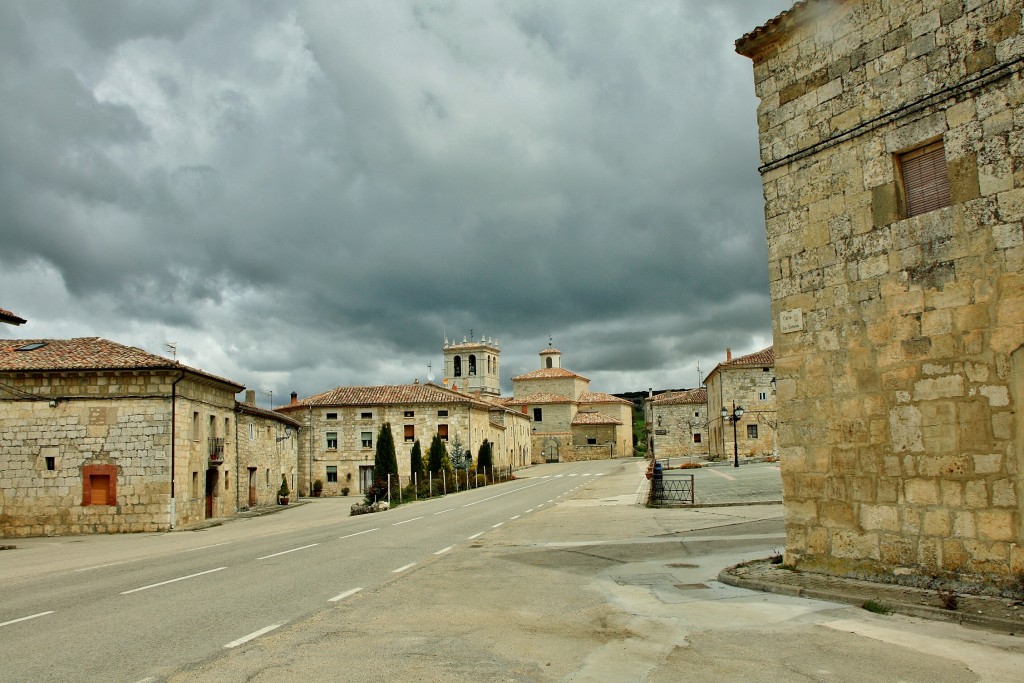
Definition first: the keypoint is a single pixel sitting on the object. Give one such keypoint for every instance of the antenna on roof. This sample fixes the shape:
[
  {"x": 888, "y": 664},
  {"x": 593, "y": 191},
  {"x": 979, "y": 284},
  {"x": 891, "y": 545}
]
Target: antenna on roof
[
  {"x": 698, "y": 375},
  {"x": 270, "y": 393},
  {"x": 173, "y": 348},
  {"x": 430, "y": 372}
]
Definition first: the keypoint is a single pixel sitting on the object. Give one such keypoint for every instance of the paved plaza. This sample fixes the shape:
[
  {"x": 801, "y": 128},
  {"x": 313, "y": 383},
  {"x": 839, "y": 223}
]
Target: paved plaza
[{"x": 722, "y": 484}]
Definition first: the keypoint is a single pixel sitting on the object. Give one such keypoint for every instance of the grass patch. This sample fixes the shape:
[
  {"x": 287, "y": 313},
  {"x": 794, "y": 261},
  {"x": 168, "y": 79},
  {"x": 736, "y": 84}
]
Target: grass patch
[{"x": 876, "y": 607}]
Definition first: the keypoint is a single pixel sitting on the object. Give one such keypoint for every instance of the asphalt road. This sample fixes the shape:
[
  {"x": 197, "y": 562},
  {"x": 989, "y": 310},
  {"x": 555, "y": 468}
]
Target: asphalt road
[{"x": 116, "y": 612}]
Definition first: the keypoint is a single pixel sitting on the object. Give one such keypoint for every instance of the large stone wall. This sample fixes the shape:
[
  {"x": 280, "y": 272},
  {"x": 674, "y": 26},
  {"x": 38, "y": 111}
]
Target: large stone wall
[{"x": 896, "y": 338}]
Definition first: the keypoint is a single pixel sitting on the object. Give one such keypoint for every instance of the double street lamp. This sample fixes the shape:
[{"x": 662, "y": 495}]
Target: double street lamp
[{"x": 737, "y": 413}]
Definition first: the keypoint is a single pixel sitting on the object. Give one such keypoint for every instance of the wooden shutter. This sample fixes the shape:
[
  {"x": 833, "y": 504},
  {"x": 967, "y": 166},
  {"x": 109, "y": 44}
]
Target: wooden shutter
[{"x": 925, "y": 179}]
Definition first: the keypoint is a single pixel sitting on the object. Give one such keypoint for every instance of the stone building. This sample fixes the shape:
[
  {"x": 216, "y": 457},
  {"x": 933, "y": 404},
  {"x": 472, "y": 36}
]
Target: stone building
[
  {"x": 677, "y": 423},
  {"x": 100, "y": 437},
  {"x": 747, "y": 382},
  {"x": 473, "y": 367},
  {"x": 569, "y": 422},
  {"x": 267, "y": 450},
  {"x": 341, "y": 426},
  {"x": 892, "y": 149}
]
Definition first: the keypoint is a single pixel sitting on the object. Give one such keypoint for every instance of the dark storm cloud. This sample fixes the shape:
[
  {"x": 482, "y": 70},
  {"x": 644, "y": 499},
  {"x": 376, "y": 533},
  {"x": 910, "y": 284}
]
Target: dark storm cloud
[{"x": 311, "y": 194}]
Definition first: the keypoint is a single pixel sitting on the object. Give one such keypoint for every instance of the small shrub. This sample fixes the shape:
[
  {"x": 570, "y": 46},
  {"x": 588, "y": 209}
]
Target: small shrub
[
  {"x": 876, "y": 607},
  {"x": 318, "y": 488},
  {"x": 691, "y": 466},
  {"x": 949, "y": 600},
  {"x": 345, "y": 490},
  {"x": 481, "y": 480}
]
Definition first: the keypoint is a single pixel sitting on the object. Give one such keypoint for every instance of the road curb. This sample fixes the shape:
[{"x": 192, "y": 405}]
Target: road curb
[{"x": 857, "y": 599}]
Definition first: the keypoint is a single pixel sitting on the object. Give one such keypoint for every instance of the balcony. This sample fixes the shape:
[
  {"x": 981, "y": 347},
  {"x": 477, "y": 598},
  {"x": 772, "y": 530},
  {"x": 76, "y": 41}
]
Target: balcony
[{"x": 216, "y": 449}]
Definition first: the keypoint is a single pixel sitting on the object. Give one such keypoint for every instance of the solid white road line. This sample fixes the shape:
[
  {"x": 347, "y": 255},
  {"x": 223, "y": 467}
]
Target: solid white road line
[
  {"x": 254, "y": 634},
  {"x": 407, "y": 521},
  {"x": 358, "y": 533},
  {"x": 402, "y": 569},
  {"x": 476, "y": 535},
  {"x": 442, "y": 551},
  {"x": 204, "y": 547},
  {"x": 31, "y": 616},
  {"x": 344, "y": 595},
  {"x": 285, "y": 552},
  {"x": 180, "y": 578}
]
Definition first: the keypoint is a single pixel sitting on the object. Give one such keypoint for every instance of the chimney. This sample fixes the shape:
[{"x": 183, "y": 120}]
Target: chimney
[
  {"x": 250, "y": 396},
  {"x": 295, "y": 398},
  {"x": 728, "y": 355}
]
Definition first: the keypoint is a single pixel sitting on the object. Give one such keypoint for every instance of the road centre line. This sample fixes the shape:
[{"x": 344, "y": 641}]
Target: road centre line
[
  {"x": 515, "y": 517},
  {"x": 495, "y": 526},
  {"x": 407, "y": 521},
  {"x": 442, "y": 551},
  {"x": 102, "y": 566},
  {"x": 251, "y": 636},
  {"x": 476, "y": 535},
  {"x": 359, "y": 533},
  {"x": 444, "y": 511},
  {"x": 484, "y": 500},
  {"x": 180, "y": 578},
  {"x": 204, "y": 547},
  {"x": 530, "y": 510},
  {"x": 342, "y": 596},
  {"x": 712, "y": 470},
  {"x": 403, "y": 568},
  {"x": 285, "y": 552},
  {"x": 31, "y": 616}
]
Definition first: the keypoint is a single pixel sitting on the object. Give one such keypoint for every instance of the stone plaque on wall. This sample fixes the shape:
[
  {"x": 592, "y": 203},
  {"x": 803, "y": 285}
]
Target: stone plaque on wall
[{"x": 791, "y": 320}]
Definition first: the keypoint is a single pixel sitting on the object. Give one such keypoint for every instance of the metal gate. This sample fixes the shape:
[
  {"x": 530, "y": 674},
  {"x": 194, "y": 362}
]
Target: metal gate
[{"x": 672, "y": 491}]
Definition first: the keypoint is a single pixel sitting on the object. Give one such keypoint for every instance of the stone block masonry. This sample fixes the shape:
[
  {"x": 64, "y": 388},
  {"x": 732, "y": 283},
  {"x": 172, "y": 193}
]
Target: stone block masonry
[{"x": 899, "y": 393}]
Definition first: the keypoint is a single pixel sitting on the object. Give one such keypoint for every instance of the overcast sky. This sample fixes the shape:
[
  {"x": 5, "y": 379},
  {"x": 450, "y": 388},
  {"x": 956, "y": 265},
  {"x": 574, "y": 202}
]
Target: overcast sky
[{"x": 303, "y": 195}]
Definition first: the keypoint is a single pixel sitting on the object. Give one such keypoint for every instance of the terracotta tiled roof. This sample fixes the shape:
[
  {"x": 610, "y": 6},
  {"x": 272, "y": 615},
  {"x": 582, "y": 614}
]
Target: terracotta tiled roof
[
  {"x": 784, "y": 21},
  {"x": 9, "y": 318},
  {"x": 690, "y": 396},
  {"x": 549, "y": 350},
  {"x": 602, "y": 397},
  {"x": 594, "y": 418},
  {"x": 758, "y": 358},
  {"x": 250, "y": 409},
  {"x": 549, "y": 373},
  {"x": 86, "y": 353},
  {"x": 539, "y": 398},
  {"x": 394, "y": 394}
]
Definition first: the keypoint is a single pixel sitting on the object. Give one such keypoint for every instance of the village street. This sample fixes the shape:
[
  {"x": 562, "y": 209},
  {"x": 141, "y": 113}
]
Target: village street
[{"x": 556, "y": 576}]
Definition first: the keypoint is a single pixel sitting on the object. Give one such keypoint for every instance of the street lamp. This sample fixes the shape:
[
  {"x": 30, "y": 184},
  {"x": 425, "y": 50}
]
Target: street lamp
[{"x": 737, "y": 413}]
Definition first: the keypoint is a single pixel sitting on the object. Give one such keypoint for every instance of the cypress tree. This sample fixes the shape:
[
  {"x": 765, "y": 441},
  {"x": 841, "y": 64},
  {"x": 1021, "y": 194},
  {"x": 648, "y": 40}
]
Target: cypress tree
[
  {"x": 416, "y": 460},
  {"x": 437, "y": 456},
  {"x": 484, "y": 458},
  {"x": 385, "y": 462}
]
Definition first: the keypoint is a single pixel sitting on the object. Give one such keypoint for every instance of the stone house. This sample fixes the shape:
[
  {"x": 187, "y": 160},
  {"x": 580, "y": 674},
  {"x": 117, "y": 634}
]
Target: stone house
[
  {"x": 892, "y": 150},
  {"x": 747, "y": 382},
  {"x": 677, "y": 423},
  {"x": 97, "y": 437},
  {"x": 341, "y": 427},
  {"x": 267, "y": 450},
  {"x": 568, "y": 421}
]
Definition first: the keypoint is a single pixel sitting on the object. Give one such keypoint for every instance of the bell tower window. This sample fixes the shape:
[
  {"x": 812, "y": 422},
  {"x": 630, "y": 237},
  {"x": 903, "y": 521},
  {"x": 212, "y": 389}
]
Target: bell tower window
[
  {"x": 458, "y": 366},
  {"x": 472, "y": 364}
]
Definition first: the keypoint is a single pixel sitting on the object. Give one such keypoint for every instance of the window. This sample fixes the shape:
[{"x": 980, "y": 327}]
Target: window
[
  {"x": 442, "y": 413},
  {"x": 331, "y": 416},
  {"x": 537, "y": 415},
  {"x": 458, "y": 366},
  {"x": 547, "y": 361},
  {"x": 213, "y": 426},
  {"x": 410, "y": 413},
  {"x": 252, "y": 432},
  {"x": 332, "y": 474},
  {"x": 366, "y": 438},
  {"x": 696, "y": 437},
  {"x": 762, "y": 395},
  {"x": 925, "y": 179},
  {"x": 195, "y": 484},
  {"x": 332, "y": 441},
  {"x": 751, "y": 431},
  {"x": 410, "y": 433},
  {"x": 365, "y": 416},
  {"x": 472, "y": 364},
  {"x": 591, "y": 441},
  {"x": 696, "y": 414},
  {"x": 51, "y": 463},
  {"x": 442, "y": 432},
  {"x": 99, "y": 485},
  {"x": 194, "y": 427}
]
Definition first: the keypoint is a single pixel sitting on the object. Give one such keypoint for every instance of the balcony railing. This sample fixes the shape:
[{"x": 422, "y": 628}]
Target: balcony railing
[{"x": 216, "y": 449}]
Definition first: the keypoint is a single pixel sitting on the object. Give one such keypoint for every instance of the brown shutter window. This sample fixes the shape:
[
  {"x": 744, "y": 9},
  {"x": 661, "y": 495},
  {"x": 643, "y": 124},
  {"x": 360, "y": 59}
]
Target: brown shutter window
[
  {"x": 442, "y": 432},
  {"x": 410, "y": 433},
  {"x": 925, "y": 179}
]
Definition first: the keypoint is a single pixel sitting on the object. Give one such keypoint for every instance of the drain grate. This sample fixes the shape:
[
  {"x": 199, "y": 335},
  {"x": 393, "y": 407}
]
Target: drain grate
[
  {"x": 692, "y": 586},
  {"x": 684, "y": 565},
  {"x": 644, "y": 579}
]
